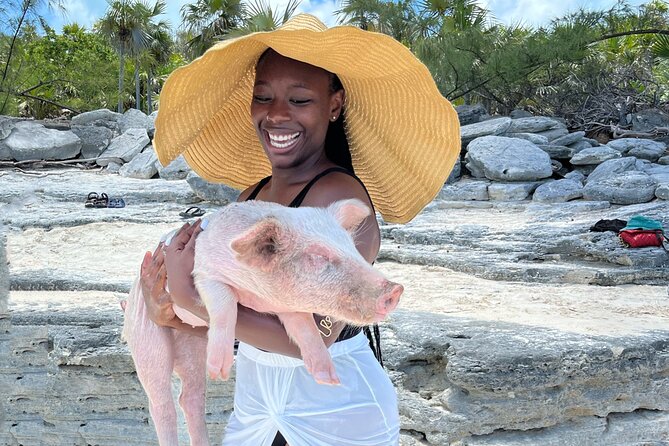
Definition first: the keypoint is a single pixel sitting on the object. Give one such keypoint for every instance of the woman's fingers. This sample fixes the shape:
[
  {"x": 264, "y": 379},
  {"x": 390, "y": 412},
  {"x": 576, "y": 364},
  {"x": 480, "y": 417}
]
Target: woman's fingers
[
  {"x": 181, "y": 237},
  {"x": 194, "y": 232}
]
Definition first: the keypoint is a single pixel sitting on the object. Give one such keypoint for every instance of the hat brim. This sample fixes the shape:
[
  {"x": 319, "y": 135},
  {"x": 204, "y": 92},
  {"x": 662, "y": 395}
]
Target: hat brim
[{"x": 403, "y": 134}]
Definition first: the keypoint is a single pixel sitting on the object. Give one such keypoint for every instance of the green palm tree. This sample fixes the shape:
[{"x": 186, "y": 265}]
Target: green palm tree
[
  {"x": 126, "y": 26},
  {"x": 157, "y": 54},
  {"x": 207, "y": 21},
  {"x": 145, "y": 15},
  {"x": 259, "y": 16}
]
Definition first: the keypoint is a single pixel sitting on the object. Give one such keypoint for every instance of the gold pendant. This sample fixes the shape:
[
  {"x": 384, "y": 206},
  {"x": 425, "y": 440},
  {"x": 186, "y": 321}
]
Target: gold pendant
[{"x": 326, "y": 323}]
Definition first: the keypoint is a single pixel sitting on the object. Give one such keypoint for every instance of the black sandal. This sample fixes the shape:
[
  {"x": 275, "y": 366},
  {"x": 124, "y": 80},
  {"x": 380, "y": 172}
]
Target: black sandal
[
  {"x": 192, "y": 212},
  {"x": 101, "y": 201},
  {"x": 91, "y": 199}
]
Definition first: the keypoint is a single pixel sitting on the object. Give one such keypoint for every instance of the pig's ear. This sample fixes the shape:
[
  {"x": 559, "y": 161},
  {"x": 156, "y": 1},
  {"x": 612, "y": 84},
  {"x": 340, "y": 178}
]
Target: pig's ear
[
  {"x": 350, "y": 213},
  {"x": 261, "y": 244}
]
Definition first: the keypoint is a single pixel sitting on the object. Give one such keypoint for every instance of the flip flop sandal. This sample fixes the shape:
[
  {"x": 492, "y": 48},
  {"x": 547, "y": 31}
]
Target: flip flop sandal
[
  {"x": 91, "y": 199},
  {"x": 192, "y": 212},
  {"x": 116, "y": 203},
  {"x": 101, "y": 201}
]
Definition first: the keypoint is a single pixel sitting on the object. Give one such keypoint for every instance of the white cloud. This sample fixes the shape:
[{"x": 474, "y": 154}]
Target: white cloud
[{"x": 82, "y": 12}]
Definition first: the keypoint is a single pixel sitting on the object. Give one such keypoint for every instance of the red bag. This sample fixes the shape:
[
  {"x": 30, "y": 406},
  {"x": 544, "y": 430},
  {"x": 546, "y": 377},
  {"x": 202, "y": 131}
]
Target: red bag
[{"x": 639, "y": 238}]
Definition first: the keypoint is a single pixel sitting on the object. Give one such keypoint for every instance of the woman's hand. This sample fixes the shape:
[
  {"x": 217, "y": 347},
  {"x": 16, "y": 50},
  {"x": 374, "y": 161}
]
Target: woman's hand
[
  {"x": 153, "y": 278},
  {"x": 179, "y": 261}
]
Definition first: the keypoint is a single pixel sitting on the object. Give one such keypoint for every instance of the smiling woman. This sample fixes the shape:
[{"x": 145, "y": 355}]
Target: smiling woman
[{"x": 294, "y": 104}]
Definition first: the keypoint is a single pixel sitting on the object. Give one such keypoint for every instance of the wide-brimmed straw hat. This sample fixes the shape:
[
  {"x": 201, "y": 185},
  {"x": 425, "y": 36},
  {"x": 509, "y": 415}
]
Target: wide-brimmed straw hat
[{"x": 403, "y": 135}]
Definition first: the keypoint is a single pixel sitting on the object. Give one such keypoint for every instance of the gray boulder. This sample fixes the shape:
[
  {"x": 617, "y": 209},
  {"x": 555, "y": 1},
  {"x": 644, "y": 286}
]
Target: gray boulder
[
  {"x": 465, "y": 191},
  {"x": 455, "y": 173},
  {"x": 648, "y": 120},
  {"x": 581, "y": 145},
  {"x": 471, "y": 114},
  {"x": 531, "y": 137},
  {"x": 520, "y": 113},
  {"x": 559, "y": 191},
  {"x": 32, "y": 141},
  {"x": 142, "y": 166},
  {"x": 626, "y": 188},
  {"x": 511, "y": 191},
  {"x": 557, "y": 152},
  {"x": 594, "y": 155},
  {"x": 612, "y": 167},
  {"x": 485, "y": 128},
  {"x": 176, "y": 170},
  {"x": 662, "y": 191},
  {"x": 534, "y": 124},
  {"x": 6, "y": 126},
  {"x": 215, "y": 193},
  {"x": 124, "y": 147},
  {"x": 134, "y": 119},
  {"x": 569, "y": 139},
  {"x": 507, "y": 159},
  {"x": 94, "y": 139},
  {"x": 554, "y": 134},
  {"x": 648, "y": 152},
  {"x": 102, "y": 117},
  {"x": 624, "y": 145},
  {"x": 663, "y": 160},
  {"x": 576, "y": 176}
]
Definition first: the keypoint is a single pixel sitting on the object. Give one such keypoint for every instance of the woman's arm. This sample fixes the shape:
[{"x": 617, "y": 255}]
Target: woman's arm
[{"x": 261, "y": 330}]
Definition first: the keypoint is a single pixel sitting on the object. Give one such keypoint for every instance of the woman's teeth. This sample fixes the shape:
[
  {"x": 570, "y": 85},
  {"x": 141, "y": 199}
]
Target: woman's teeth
[{"x": 282, "y": 141}]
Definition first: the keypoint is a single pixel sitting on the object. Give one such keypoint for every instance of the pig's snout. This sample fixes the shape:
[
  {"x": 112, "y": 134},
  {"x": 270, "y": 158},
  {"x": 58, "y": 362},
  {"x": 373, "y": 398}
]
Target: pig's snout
[{"x": 389, "y": 299}]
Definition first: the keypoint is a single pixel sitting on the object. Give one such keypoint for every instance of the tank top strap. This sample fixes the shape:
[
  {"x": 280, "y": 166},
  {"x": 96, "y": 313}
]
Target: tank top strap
[
  {"x": 297, "y": 201},
  {"x": 258, "y": 188}
]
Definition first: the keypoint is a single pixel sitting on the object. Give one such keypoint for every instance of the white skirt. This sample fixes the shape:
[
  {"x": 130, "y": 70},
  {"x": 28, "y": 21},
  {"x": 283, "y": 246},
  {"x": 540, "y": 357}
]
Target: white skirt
[{"x": 275, "y": 393}]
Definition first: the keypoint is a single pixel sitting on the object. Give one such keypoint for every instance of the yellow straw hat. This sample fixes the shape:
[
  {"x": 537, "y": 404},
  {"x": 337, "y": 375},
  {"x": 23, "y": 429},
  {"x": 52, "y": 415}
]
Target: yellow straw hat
[{"x": 403, "y": 135}]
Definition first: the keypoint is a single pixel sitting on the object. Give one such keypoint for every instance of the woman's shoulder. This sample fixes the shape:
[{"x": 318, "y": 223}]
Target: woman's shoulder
[{"x": 334, "y": 187}]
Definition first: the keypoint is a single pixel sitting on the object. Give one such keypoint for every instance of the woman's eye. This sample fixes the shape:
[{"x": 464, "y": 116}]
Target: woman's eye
[
  {"x": 300, "y": 101},
  {"x": 260, "y": 99}
]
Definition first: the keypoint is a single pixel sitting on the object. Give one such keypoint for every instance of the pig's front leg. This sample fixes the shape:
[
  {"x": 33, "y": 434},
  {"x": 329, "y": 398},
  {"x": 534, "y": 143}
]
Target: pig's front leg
[
  {"x": 222, "y": 309},
  {"x": 302, "y": 329}
]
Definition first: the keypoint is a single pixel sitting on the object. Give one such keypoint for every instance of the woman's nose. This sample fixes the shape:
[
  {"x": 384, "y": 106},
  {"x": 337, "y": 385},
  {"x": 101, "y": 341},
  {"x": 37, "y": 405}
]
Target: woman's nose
[{"x": 277, "y": 114}]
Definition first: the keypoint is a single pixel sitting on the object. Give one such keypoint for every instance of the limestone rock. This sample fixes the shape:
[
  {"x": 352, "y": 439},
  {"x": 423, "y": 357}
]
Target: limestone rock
[
  {"x": 511, "y": 191},
  {"x": 554, "y": 134},
  {"x": 455, "y": 173},
  {"x": 134, "y": 119},
  {"x": 31, "y": 141},
  {"x": 485, "y": 128},
  {"x": 101, "y": 117},
  {"x": 520, "y": 113},
  {"x": 612, "y": 167},
  {"x": 215, "y": 193},
  {"x": 576, "y": 176},
  {"x": 531, "y": 137},
  {"x": 176, "y": 170},
  {"x": 534, "y": 124},
  {"x": 464, "y": 191},
  {"x": 124, "y": 147},
  {"x": 594, "y": 155},
  {"x": 94, "y": 139},
  {"x": 663, "y": 160},
  {"x": 471, "y": 114},
  {"x": 558, "y": 191},
  {"x": 648, "y": 120},
  {"x": 507, "y": 159},
  {"x": 662, "y": 191},
  {"x": 624, "y": 145},
  {"x": 569, "y": 139},
  {"x": 142, "y": 166},
  {"x": 558, "y": 152},
  {"x": 626, "y": 188}
]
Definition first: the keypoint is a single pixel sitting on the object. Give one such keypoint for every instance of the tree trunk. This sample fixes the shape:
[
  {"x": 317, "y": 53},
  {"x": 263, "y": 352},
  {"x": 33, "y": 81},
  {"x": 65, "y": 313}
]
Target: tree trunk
[
  {"x": 149, "y": 104},
  {"x": 121, "y": 74},
  {"x": 137, "y": 85}
]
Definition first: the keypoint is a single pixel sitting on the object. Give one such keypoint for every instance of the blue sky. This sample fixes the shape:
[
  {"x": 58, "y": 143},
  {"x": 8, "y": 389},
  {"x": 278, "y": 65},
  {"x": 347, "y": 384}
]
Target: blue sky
[{"x": 527, "y": 12}]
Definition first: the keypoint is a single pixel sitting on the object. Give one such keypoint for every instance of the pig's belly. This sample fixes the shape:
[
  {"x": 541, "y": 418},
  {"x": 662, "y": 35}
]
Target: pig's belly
[{"x": 189, "y": 318}]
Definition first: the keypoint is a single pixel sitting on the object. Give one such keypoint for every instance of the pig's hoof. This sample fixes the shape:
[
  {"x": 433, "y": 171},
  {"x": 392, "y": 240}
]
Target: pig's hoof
[
  {"x": 326, "y": 378},
  {"x": 219, "y": 368}
]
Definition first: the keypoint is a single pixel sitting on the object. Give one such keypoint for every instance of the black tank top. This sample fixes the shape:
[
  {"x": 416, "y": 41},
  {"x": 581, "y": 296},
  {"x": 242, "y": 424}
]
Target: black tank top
[{"x": 348, "y": 331}]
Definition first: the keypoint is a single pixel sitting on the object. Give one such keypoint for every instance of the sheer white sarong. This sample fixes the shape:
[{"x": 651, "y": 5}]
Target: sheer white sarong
[{"x": 275, "y": 392}]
